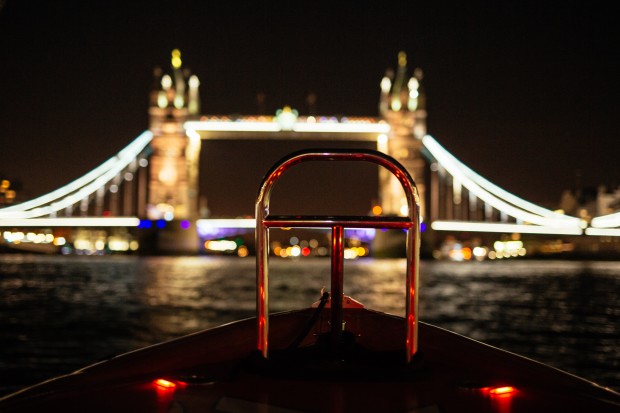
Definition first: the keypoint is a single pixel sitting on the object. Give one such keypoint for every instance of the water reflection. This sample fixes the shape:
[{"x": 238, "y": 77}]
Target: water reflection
[
  {"x": 562, "y": 313},
  {"x": 59, "y": 313}
]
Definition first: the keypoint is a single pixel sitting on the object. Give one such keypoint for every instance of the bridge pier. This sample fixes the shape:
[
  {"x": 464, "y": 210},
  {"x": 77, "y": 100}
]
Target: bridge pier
[
  {"x": 391, "y": 243},
  {"x": 174, "y": 238}
]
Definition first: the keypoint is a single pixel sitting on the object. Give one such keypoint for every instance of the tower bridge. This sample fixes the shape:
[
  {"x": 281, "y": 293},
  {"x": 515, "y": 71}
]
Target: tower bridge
[{"x": 150, "y": 189}]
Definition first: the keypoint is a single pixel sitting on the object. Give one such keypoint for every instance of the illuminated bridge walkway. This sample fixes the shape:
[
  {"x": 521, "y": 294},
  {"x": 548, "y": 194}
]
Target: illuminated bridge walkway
[{"x": 114, "y": 195}]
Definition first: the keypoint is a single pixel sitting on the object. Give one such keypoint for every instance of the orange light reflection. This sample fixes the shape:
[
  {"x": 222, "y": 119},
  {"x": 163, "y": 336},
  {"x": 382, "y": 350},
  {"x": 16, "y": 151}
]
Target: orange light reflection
[
  {"x": 504, "y": 390},
  {"x": 165, "y": 384}
]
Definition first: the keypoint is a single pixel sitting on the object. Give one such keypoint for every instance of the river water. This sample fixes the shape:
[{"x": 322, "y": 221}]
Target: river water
[{"x": 58, "y": 314}]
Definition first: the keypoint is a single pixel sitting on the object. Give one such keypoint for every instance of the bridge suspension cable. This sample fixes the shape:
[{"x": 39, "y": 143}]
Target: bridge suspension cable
[
  {"x": 496, "y": 197},
  {"x": 530, "y": 217},
  {"x": 82, "y": 187}
]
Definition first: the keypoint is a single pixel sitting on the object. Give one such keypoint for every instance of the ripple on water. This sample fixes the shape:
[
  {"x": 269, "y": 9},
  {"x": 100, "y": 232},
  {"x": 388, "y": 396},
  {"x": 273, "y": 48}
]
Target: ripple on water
[{"x": 58, "y": 314}]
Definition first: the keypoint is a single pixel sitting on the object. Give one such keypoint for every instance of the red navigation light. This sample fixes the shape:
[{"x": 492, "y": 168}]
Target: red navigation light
[
  {"x": 165, "y": 389},
  {"x": 165, "y": 384},
  {"x": 501, "y": 391}
]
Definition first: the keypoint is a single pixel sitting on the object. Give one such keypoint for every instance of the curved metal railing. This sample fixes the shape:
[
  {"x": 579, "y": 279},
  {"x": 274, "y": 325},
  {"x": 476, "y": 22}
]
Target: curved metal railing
[{"x": 264, "y": 222}]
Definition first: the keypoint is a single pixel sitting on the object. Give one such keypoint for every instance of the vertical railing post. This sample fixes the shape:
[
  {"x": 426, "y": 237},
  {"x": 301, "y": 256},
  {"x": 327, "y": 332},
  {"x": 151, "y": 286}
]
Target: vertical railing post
[
  {"x": 337, "y": 257},
  {"x": 413, "y": 275},
  {"x": 262, "y": 281}
]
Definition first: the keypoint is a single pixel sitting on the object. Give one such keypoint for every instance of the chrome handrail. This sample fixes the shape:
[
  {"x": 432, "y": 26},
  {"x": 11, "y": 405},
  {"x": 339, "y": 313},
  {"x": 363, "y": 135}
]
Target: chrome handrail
[{"x": 337, "y": 223}]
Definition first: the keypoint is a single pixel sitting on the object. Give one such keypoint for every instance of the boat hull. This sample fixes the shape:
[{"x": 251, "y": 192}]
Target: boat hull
[{"x": 219, "y": 370}]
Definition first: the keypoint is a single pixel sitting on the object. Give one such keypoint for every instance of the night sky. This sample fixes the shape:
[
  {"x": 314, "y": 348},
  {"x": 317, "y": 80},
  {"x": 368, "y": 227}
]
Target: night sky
[{"x": 525, "y": 93}]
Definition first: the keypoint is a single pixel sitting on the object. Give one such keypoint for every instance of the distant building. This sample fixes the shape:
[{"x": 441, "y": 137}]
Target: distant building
[
  {"x": 607, "y": 202},
  {"x": 590, "y": 202}
]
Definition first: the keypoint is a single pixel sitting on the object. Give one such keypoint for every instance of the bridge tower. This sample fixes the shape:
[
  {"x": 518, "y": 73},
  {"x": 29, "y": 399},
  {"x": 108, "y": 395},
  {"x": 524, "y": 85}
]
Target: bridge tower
[
  {"x": 174, "y": 162},
  {"x": 402, "y": 105},
  {"x": 173, "y": 183}
]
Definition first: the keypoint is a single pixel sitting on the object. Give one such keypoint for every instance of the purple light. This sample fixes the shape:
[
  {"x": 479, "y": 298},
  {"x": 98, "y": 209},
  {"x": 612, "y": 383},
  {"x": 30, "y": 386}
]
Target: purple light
[
  {"x": 213, "y": 233},
  {"x": 363, "y": 234},
  {"x": 185, "y": 224}
]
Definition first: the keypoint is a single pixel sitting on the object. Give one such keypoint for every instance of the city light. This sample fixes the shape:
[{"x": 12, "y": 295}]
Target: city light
[
  {"x": 220, "y": 245},
  {"x": 85, "y": 241},
  {"x": 507, "y": 249},
  {"x": 480, "y": 253}
]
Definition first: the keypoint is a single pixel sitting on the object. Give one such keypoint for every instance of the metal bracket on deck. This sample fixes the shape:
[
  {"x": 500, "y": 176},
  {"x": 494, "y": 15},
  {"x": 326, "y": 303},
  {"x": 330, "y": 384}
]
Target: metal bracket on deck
[{"x": 264, "y": 222}]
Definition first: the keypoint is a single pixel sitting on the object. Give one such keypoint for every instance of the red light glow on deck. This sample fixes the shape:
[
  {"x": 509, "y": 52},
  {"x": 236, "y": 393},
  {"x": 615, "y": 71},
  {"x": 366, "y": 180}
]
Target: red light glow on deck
[
  {"x": 165, "y": 389},
  {"x": 502, "y": 391},
  {"x": 165, "y": 384}
]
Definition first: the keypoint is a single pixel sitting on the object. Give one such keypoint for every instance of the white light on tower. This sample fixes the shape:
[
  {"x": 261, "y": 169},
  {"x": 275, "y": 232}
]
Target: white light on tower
[{"x": 386, "y": 85}]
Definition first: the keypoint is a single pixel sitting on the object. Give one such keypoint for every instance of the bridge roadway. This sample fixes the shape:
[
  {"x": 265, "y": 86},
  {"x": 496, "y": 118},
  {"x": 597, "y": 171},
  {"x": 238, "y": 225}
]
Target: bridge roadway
[
  {"x": 48, "y": 235},
  {"x": 516, "y": 216}
]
